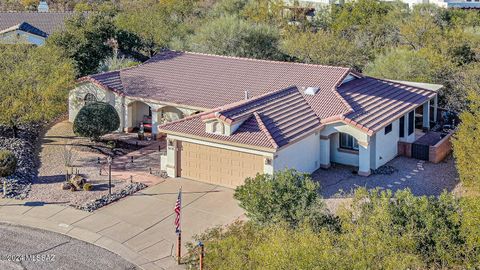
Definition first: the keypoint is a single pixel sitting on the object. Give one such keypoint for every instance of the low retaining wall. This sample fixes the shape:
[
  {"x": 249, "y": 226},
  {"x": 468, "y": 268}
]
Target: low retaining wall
[
  {"x": 440, "y": 150},
  {"x": 405, "y": 149}
]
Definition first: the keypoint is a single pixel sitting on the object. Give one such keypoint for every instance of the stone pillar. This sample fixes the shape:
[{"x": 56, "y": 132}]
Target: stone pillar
[
  {"x": 154, "y": 124},
  {"x": 426, "y": 115},
  {"x": 324, "y": 152},
  {"x": 435, "y": 108},
  {"x": 364, "y": 159}
]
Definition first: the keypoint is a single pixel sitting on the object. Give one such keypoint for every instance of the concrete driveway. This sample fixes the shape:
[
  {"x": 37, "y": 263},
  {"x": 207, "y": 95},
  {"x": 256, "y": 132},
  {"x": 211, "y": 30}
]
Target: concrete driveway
[
  {"x": 145, "y": 222},
  {"x": 140, "y": 227}
]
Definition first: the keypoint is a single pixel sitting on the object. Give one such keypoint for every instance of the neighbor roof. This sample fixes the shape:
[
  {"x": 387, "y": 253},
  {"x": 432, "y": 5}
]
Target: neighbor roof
[
  {"x": 26, "y": 27},
  {"x": 47, "y": 22},
  {"x": 271, "y": 120},
  {"x": 210, "y": 81}
]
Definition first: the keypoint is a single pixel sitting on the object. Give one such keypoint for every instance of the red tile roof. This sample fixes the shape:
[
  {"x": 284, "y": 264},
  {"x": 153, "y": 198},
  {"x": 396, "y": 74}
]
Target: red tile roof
[
  {"x": 210, "y": 81},
  {"x": 276, "y": 118},
  {"x": 376, "y": 102}
]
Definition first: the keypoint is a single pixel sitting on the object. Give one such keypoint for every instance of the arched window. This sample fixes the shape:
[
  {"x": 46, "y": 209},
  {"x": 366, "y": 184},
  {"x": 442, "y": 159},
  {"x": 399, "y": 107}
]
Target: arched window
[{"x": 89, "y": 98}]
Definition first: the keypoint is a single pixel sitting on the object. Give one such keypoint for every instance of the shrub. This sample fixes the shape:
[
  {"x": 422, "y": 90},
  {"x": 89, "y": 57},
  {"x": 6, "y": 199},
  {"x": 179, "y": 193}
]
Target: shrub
[
  {"x": 288, "y": 196},
  {"x": 95, "y": 120},
  {"x": 8, "y": 163},
  {"x": 87, "y": 187}
]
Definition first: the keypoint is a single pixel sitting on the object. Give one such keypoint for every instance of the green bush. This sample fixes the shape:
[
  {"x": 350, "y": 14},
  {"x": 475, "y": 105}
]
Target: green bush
[
  {"x": 8, "y": 163},
  {"x": 87, "y": 187},
  {"x": 286, "y": 196},
  {"x": 95, "y": 120}
]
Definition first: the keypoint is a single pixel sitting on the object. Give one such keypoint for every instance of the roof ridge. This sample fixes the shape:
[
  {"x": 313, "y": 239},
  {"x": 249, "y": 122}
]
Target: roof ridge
[
  {"x": 403, "y": 84},
  {"x": 264, "y": 129},
  {"x": 253, "y": 59},
  {"x": 237, "y": 104}
]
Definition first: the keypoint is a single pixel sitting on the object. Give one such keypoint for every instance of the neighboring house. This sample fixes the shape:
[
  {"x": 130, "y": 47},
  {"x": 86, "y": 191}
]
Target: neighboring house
[
  {"x": 238, "y": 116},
  {"x": 30, "y": 27}
]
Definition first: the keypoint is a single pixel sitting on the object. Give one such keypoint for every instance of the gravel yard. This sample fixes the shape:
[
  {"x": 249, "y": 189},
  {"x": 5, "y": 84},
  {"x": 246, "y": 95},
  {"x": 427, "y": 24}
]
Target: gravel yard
[
  {"x": 54, "y": 149},
  {"x": 422, "y": 178}
]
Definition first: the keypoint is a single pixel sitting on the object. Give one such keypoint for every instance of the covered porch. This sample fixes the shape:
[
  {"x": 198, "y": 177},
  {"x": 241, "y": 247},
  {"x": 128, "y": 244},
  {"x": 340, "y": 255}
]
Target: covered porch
[{"x": 150, "y": 115}]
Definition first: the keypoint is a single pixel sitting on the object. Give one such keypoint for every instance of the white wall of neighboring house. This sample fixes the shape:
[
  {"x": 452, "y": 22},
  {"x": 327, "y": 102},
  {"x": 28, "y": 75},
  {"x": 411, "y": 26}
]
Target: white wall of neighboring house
[
  {"x": 303, "y": 155},
  {"x": 21, "y": 37}
]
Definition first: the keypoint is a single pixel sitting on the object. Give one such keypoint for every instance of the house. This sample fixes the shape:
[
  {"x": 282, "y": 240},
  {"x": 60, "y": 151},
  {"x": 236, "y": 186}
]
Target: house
[
  {"x": 227, "y": 118},
  {"x": 30, "y": 27}
]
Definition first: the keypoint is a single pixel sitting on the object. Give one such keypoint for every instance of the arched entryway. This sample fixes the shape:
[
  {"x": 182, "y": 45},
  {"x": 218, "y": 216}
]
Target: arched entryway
[
  {"x": 169, "y": 114},
  {"x": 138, "y": 112}
]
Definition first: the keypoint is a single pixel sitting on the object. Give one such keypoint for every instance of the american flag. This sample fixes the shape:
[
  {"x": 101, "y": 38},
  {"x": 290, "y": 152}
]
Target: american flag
[{"x": 177, "y": 209}]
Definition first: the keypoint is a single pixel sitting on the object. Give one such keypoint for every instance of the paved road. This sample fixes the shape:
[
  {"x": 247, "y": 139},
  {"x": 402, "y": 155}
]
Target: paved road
[{"x": 60, "y": 251}]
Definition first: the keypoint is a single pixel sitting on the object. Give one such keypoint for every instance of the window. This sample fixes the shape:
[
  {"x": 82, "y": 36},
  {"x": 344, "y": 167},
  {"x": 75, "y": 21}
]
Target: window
[
  {"x": 89, "y": 98},
  {"x": 388, "y": 129},
  {"x": 401, "y": 132},
  {"x": 348, "y": 142},
  {"x": 411, "y": 122}
]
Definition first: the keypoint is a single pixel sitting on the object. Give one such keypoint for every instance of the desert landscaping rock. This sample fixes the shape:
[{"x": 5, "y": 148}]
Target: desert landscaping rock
[
  {"x": 19, "y": 184},
  {"x": 107, "y": 199}
]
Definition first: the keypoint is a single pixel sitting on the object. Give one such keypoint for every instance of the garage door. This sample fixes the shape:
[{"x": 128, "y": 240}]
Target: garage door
[{"x": 216, "y": 165}]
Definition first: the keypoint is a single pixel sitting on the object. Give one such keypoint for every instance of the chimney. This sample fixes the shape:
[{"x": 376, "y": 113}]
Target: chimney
[
  {"x": 246, "y": 95},
  {"x": 43, "y": 6}
]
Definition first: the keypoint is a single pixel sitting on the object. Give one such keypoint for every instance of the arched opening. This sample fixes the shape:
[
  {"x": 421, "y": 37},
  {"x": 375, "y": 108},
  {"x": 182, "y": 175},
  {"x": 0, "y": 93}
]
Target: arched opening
[
  {"x": 170, "y": 113},
  {"x": 344, "y": 149},
  {"x": 139, "y": 113}
]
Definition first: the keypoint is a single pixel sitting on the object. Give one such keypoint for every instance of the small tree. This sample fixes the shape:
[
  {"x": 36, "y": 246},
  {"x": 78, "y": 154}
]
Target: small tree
[
  {"x": 95, "y": 120},
  {"x": 8, "y": 163},
  {"x": 287, "y": 195}
]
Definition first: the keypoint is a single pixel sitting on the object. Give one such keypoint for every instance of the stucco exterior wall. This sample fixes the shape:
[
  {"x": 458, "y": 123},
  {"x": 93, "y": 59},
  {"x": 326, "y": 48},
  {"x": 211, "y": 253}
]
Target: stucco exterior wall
[
  {"x": 76, "y": 98},
  {"x": 303, "y": 155},
  {"x": 385, "y": 146}
]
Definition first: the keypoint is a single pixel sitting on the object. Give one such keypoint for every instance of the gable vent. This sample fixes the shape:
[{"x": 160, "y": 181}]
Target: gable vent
[{"x": 311, "y": 91}]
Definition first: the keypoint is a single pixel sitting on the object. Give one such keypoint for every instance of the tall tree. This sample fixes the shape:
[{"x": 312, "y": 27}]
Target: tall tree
[
  {"x": 85, "y": 40},
  {"x": 235, "y": 37},
  {"x": 34, "y": 84}
]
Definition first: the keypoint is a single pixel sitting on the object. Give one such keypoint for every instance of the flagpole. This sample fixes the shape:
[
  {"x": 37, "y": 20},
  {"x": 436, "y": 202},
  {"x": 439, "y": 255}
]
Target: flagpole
[
  {"x": 179, "y": 233},
  {"x": 179, "y": 247}
]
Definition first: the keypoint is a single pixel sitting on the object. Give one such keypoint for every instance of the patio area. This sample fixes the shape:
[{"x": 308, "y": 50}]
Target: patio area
[{"x": 422, "y": 178}]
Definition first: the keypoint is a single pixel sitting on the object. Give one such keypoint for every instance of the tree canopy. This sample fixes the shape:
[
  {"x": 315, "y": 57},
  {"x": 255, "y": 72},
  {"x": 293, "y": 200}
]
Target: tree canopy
[{"x": 34, "y": 84}]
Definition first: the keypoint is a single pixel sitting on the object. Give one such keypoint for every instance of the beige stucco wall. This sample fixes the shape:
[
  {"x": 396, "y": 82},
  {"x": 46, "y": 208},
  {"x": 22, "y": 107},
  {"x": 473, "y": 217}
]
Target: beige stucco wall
[{"x": 131, "y": 110}]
